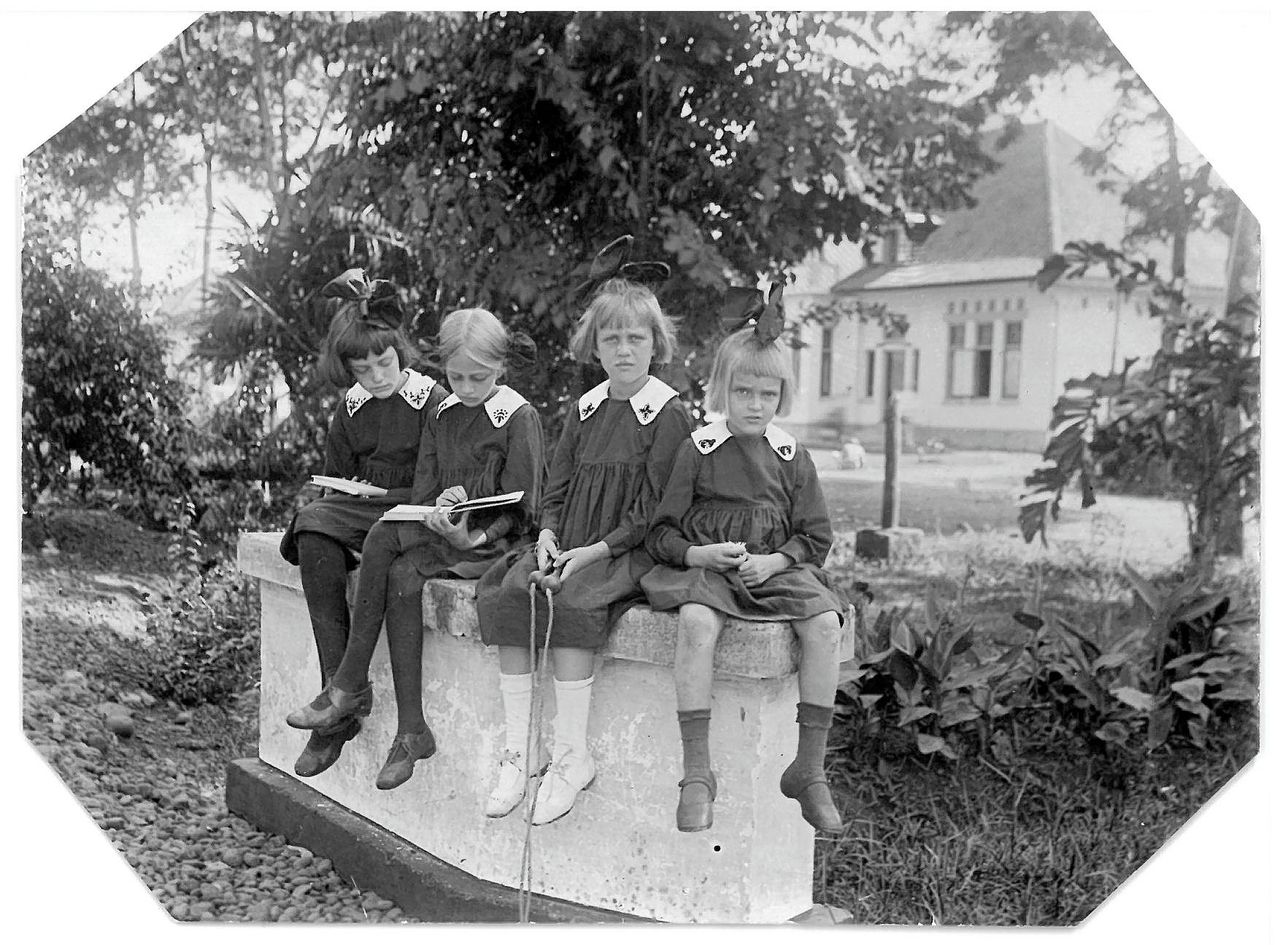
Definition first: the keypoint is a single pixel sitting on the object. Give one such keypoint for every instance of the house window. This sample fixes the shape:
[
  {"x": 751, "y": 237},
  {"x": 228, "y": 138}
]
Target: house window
[
  {"x": 915, "y": 369},
  {"x": 824, "y": 376},
  {"x": 959, "y": 363},
  {"x": 1012, "y": 383},
  {"x": 969, "y": 367},
  {"x": 982, "y": 360},
  {"x": 869, "y": 376},
  {"x": 795, "y": 367}
]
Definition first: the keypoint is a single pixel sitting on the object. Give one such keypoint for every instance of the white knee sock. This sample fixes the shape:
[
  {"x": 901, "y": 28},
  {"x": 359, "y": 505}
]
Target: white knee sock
[
  {"x": 516, "y": 690},
  {"x": 573, "y": 710}
]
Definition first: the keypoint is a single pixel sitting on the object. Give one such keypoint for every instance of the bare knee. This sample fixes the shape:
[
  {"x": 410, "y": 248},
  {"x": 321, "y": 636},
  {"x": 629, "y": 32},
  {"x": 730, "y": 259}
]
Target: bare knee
[
  {"x": 699, "y": 626},
  {"x": 820, "y": 632}
]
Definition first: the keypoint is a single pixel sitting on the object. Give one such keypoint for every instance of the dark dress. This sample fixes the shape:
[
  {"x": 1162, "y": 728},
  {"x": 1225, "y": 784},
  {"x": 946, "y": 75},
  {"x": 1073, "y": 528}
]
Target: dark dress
[
  {"x": 762, "y": 491},
  {"x": 609, "y": 470},
  {"x": 371, "y": 439},
  {"x": 490, "y": 449}
]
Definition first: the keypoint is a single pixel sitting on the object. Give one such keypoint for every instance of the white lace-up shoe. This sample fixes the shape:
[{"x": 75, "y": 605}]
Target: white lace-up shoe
[
  {"x": 568, "y": 775},
  {"x": 509, "y": 785}
]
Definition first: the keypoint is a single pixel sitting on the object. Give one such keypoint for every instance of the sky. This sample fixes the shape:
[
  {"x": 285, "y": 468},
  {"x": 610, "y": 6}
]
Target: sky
[{"x": 1213, "y": 66}]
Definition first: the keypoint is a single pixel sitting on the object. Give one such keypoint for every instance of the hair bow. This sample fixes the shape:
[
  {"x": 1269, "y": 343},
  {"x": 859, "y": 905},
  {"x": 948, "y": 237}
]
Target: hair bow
[
  {"x": 612, "y": 261},
  {"x": 742, "y": 306},
  {"x": 379, "y": 299}
]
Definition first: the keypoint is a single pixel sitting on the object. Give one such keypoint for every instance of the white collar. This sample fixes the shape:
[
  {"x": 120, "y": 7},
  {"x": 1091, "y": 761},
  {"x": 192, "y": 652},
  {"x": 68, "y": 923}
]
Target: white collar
[
  {"x": 499, "y": 407},
  {"x": 415, "y": 391},
  {"x": 707, "y": 439},
  {"x": 646, "y": 402}
]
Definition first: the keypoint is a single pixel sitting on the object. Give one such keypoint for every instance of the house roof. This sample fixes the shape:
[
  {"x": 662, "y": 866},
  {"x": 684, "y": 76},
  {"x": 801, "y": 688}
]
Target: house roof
[{"x": 1036, "y": 200}]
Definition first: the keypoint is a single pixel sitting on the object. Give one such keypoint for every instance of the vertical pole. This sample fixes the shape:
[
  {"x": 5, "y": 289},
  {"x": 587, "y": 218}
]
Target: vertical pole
[{"x": 892, "y": 453}]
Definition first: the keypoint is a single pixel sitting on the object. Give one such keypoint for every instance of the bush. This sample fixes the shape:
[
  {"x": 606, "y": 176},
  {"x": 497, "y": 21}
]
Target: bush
[
  {"x": 95, "y": 387},
  {"x": 202, "y": 644}
]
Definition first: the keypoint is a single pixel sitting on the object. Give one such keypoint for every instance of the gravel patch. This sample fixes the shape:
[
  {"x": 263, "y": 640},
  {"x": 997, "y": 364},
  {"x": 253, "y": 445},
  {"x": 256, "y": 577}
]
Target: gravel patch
[{"x": 152, "y": 773}]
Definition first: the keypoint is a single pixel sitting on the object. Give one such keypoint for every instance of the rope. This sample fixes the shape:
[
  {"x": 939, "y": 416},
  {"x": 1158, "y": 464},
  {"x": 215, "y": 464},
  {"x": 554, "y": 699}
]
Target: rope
[{"x": 532, "y": 738}]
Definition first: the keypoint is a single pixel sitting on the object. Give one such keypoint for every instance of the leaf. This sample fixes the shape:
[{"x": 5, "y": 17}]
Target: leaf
[
  {"x": 1134, "y": 697},
  {"x": 1146, "y": 590},
  {"x": 1191, "y": 689},
  {"x": 1159, "y": 724},
  {"x": 1030, "y": 621},
  {"x": 914, "y": 714},
  {"x": 928, "y": 744},
  {"x": 1116, "y": 733}
]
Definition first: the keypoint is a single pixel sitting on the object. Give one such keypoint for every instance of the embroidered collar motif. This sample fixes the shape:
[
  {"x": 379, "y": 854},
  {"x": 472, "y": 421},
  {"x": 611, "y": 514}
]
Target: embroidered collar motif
[
  {"x": 647, "y": 402},
  {"x": 500, "y": 407},
  {"x": 415, "y": 391},
  {"x": 707, "y": 439}
]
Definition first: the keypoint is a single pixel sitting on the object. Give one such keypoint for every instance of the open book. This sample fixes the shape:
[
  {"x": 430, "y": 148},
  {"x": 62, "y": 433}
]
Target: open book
[
  {"x": 414, "y": 513},
  {"x": 348, "y": 486}
]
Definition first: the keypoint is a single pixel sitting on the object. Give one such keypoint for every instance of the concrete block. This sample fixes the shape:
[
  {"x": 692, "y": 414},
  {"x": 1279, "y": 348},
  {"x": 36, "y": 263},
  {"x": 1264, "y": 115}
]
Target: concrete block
[
  {"x": 883, "y": 543},
  {"x": 619, "y": 849}
]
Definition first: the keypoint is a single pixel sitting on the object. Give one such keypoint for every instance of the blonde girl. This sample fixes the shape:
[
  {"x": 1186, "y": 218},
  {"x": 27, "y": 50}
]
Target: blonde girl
[
  {"x": 484, "y": 439},
  {"x": 607, "y": 473}
]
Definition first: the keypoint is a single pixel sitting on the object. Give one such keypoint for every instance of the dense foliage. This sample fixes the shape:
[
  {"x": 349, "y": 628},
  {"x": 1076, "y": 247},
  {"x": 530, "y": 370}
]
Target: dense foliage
[
  {"x": 490, "y": 156},
  {"x": 96, "y": 387}
]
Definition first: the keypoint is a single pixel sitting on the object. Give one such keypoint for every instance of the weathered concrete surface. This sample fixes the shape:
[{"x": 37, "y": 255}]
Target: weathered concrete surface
[
  {"x": 377, "y": 859},
  {"x": 619, "y": 848}
]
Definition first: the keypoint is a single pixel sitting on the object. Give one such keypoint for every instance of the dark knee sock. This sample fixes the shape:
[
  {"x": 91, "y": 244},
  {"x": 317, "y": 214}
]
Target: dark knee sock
[
  {"x": 380, "y": 550},
  {"x": 811, "y": 746},
  {"x": 695, "y": 733},
  {"x": 404, "y": 644},
  {"x": 323, "y": 563}
]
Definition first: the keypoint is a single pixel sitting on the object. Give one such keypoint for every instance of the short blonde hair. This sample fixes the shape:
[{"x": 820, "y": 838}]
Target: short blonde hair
[
  {"x": 476, "y": 332},
  {"x": 623, "y": 302},
  {"x": 741, "y": 353}
]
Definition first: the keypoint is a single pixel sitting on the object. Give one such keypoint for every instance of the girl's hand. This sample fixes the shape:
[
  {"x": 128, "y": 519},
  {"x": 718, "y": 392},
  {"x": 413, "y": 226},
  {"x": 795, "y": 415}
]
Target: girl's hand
[
  {"x": 452, "y": 496},
  {"x": 723, "y": 556},
  {"x": 757, "y": 569},
  {"x": 458, "y": 534},
  {"x": 576, "y": 559},
  {"x": 548, "y": 548}
]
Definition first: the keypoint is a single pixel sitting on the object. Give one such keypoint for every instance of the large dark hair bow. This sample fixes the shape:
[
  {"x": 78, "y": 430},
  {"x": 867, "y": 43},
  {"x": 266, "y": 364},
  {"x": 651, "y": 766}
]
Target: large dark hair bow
[
  {"x": 612, "y": 262},
  {"x": 742, "y": 306},
  {"x": 379, "y": 299}
]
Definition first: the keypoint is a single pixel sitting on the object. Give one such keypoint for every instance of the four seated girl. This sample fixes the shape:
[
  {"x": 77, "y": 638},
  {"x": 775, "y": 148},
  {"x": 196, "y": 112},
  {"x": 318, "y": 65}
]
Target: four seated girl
[{"x": 728, "y": 520}]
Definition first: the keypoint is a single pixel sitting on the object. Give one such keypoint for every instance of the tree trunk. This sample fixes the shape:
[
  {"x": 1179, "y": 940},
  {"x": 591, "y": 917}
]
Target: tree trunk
[
  {"x": 136, "y": 280},
  {"x": 1243, "y": 272},
  {"x": 206, "y": 262},
  {"x": 1178, "y": 260}
]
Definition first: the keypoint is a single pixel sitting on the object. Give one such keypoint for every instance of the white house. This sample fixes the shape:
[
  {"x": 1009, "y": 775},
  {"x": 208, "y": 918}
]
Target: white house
[{"x": 985, "y": 354}]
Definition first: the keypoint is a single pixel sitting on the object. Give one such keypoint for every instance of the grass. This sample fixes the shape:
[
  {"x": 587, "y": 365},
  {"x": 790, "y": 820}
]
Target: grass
[
  {"x": 1041, "y": 842},
  {"x": 1037, "y": 836}
]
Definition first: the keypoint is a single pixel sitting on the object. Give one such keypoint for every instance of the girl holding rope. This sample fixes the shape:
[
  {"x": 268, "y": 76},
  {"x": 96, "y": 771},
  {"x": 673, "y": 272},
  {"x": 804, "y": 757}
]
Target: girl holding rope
[
  {"x": 484, "y": 439},
  {"x": 606, "y": 476}
]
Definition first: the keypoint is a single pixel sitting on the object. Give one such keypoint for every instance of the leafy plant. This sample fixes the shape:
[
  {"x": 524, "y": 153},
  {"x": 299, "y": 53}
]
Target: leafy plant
[
  {"x": 1193, "y": 413},
  {"x": 202, "y": 640},
  {"x": 925, "y": 676},
  {"x": 96, "y": 388}
]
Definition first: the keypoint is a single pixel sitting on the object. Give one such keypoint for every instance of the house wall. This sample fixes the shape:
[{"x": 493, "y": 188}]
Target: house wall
[{"x": 1066, "y": 332}]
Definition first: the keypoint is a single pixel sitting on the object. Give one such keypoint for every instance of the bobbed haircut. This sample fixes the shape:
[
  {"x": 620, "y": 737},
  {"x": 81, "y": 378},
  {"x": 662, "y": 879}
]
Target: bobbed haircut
[
  {"x": 477, "y": 333},
  {"x": 741, "y": 353},
  {"x": 620, "y": 302},
  {"x": 349, "y": 337}
]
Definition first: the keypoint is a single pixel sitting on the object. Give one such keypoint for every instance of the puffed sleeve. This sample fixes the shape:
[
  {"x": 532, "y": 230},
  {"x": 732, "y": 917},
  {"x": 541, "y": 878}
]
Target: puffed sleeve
[
  {"x": 810, "y": 524},
  {"x": 339, "y": 459},
  {"x": 522, "y": 470},
  {"x": 426, "y": 475},
  {"x": 666, "y": 540},
  {"x": 672, "y": 429},
  {"x": 562, "y": 466}
]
